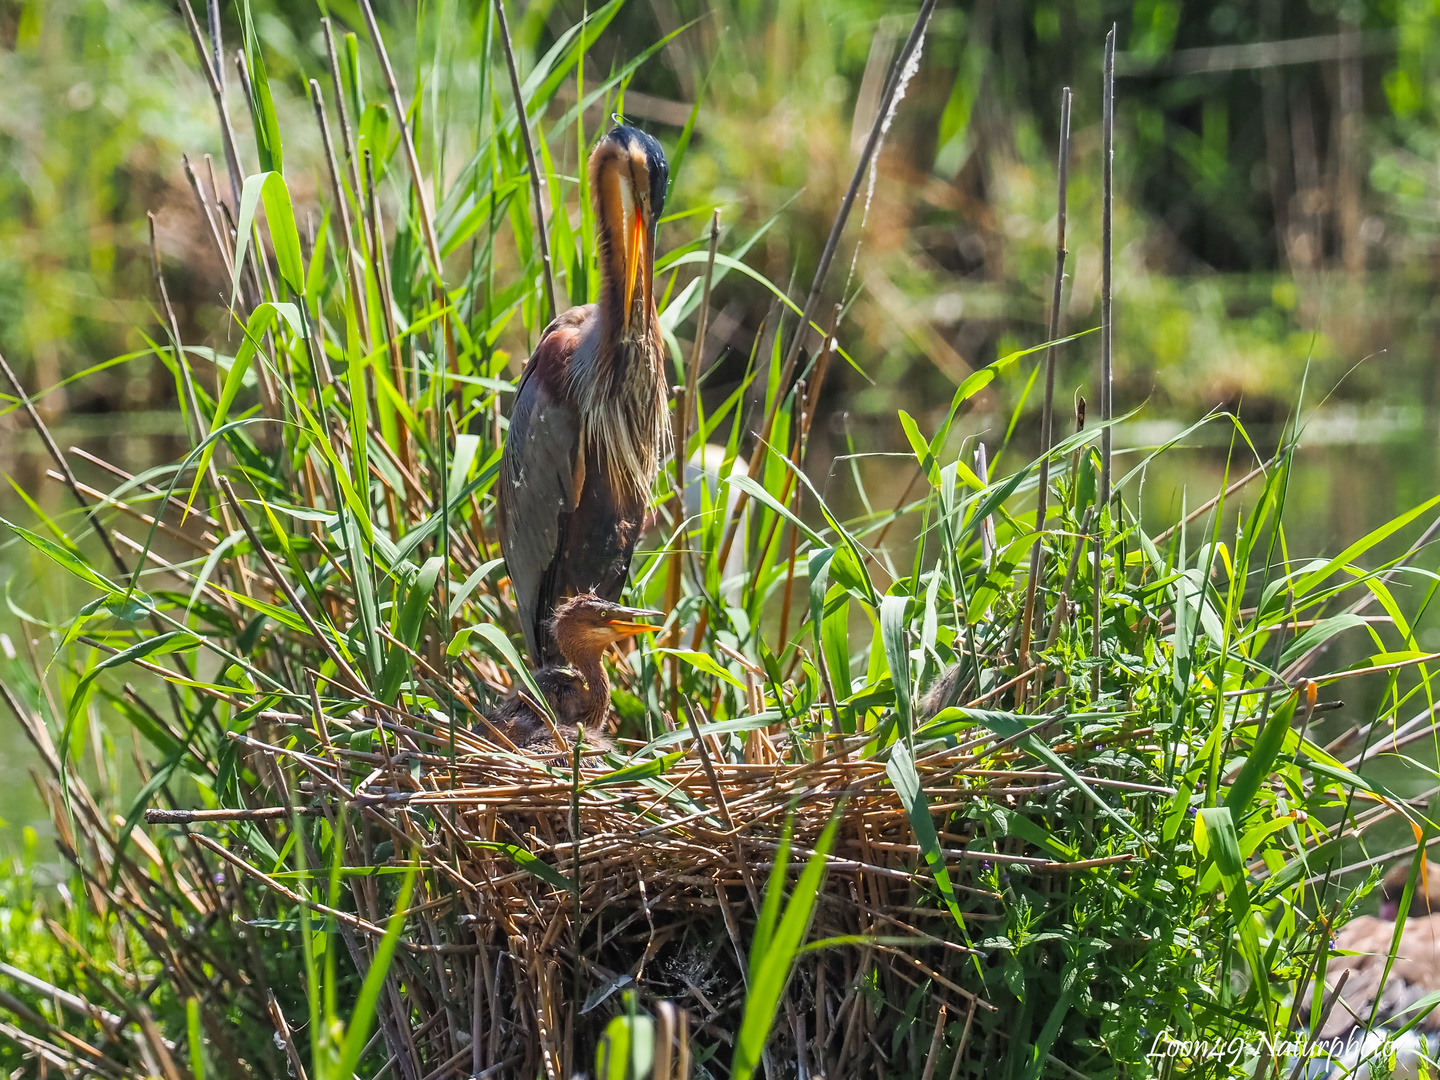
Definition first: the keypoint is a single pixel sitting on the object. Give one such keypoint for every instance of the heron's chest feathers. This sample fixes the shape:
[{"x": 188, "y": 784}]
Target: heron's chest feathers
[{"x": 620, "y": 389}]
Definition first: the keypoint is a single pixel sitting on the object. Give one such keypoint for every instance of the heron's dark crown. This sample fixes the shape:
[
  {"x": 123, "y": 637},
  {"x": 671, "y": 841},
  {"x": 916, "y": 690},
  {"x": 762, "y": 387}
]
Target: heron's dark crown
[
  {"x": 624, "y": 140},
  {"x": 586, "y": 609}
]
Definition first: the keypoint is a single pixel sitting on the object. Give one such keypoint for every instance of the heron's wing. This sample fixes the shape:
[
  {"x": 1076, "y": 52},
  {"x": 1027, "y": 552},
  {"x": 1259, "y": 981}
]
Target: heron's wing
[{"x": 539, "y": 475}]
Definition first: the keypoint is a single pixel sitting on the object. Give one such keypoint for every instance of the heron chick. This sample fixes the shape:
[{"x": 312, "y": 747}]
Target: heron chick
[{"x": 578, "y": 691}]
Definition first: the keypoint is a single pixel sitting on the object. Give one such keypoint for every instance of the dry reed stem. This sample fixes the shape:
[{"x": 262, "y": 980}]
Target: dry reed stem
[
  {"x": 282, "y": 1028},
  {"x": 688, "y": 400},
  {"x": 214, "y": 73},
  {"x": 1047, "y": 414},
  {"x": 522, "y": 118},
  {"x": 427, "y": 217}
]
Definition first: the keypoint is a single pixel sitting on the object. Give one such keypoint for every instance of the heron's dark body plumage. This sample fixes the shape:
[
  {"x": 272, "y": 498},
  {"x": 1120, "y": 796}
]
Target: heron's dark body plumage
[
  {"x": 588, "y": 424},
  {"x": 565, "y": 526}
]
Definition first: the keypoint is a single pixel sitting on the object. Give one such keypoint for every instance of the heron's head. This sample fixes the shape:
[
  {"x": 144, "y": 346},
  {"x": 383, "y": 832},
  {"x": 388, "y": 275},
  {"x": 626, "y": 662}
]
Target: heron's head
[
  {"x": 628, "y": 175},
  {"x": 587, "y": 624},
  {"x": 1424, "y": 901}
]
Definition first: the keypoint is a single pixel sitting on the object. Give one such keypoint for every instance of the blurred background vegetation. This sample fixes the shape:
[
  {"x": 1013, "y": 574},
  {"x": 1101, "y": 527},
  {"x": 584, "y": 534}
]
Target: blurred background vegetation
[{"x": 1277, "y": 164}]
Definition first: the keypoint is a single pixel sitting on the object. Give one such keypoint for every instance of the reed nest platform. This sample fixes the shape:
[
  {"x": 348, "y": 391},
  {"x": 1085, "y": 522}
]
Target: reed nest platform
[{"x": 517, "y": 949}]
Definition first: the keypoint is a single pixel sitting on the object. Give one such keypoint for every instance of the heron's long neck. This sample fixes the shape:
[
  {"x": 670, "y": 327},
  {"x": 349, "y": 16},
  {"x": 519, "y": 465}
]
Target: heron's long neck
[
  {"x": 632, "y": 355},
  {"x": 596, "y": 710},
  {"x": 612, "y": 297},
  {"x": 620, "y": 387}
]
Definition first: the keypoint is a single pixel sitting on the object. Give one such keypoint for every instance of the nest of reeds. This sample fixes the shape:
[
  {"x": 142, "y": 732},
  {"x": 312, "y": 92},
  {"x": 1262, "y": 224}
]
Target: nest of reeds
[{"x": 517, "y": 950}]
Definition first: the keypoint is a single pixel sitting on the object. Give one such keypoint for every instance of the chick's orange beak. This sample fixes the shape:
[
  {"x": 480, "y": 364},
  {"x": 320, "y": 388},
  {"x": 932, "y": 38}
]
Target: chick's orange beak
[{"x": 627, "y": 624}]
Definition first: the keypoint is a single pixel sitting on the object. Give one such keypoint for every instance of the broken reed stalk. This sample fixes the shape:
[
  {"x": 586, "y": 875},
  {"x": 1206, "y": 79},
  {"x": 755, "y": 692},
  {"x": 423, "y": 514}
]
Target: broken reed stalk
[
  {"x": 214, "y": 72},
  {"x": 787, "y": 369},
  {"x": 523, "y": 120},
  {"x": 342, "y": 204},
  {"x": 1107, "y": 338},
  {"x": 342, "y": 113},
  {"x": 211, "y": 215},
  {"x": 217, "y": 44},
  {"x": 1047, "y": 415},
  {"x": 172, "y": 327},
  {"x": 354, "y": 287}
]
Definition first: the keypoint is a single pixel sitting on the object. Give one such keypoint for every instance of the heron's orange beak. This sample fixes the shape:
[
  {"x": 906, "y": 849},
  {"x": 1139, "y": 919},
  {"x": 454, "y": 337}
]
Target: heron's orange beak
[
  {"x": 636, "y": 260},
  {"x": 626, "y": 626}
]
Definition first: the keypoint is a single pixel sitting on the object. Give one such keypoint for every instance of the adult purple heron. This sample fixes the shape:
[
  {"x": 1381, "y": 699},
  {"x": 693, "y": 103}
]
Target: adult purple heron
[{"x": 589, "y": 420}]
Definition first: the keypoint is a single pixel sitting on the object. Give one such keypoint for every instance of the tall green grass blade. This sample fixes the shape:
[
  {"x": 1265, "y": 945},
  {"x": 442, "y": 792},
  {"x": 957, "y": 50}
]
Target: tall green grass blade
[
  {"x": 897, "y": 656},
  {"x": 192, "y": 1030},
  {"x": 64, "y": 558},
  {"x": 906, "y": 782},
  {"x": 262, "y": 104},
  {"x": 407, "y": 627},
  {"x": 1260, "y": 760},
  {"x": 269, "y": 188},
  {"x": 771, "y": 965}
]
